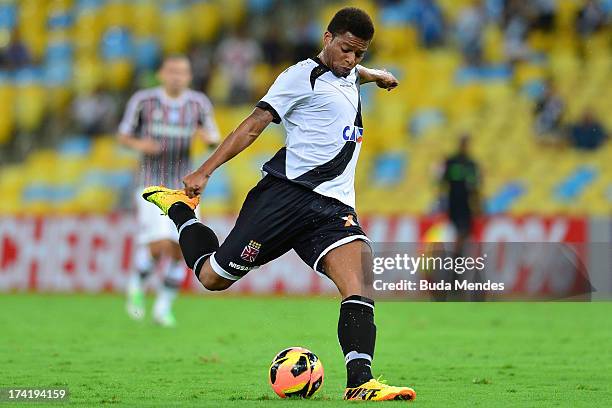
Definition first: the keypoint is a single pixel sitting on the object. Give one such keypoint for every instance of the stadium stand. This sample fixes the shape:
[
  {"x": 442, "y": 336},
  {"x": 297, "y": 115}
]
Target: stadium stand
[{"x": 51, "y": 51}]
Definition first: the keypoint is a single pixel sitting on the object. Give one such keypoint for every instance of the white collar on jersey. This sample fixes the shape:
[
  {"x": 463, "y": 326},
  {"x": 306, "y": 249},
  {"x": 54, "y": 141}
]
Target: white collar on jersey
[{"x": 167, "y": 99}]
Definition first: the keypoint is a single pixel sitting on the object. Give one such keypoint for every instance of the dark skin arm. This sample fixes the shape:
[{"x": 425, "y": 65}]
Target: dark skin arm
[
  {"x": 236, "y": 142},
  {"x": 383, "y": 78}
]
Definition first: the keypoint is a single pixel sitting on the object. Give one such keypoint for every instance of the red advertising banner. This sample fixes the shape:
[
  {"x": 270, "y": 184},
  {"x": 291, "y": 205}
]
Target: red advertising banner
[{"x": 94, "y": 253}]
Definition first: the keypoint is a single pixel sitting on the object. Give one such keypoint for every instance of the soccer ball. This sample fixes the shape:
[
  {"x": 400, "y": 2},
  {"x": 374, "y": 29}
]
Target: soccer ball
[{"x": 296, "y": 372}]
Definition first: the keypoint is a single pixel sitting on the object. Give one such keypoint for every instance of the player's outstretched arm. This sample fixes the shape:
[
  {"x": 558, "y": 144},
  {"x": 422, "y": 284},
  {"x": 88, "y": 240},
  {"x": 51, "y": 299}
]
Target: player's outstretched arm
[
  {"x": 383, "y": 78},
  {"x": 145, "y": 146},
  {"x": 237, "y": 141}
]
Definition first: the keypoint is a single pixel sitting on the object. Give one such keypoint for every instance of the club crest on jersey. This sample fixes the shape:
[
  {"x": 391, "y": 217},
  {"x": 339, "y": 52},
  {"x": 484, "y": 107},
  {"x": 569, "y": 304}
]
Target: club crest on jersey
[
  {"x": 353, "y": 134},
  {"x": 250, "y": 251}
]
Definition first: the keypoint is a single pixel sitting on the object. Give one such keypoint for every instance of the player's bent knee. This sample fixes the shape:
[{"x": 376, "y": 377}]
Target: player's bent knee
[
  {"x": 211, "y": 281},
  {"x": 215, "y": 284},
  {"x": 349, "y": 267}
]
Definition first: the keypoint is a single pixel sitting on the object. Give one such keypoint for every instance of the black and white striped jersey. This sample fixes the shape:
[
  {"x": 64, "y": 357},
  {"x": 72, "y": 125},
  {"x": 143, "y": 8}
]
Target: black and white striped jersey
[
  {"x": 172, "y": 122},
  {"x": 321, "y": 114}
]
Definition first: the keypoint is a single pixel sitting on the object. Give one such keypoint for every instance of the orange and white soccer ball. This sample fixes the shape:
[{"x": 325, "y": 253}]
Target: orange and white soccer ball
[{"x": 296, "y": 372}]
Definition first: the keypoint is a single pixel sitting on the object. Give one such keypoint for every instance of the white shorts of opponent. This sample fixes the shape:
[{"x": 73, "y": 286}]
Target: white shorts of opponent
[{"x": 152, "y": 224}]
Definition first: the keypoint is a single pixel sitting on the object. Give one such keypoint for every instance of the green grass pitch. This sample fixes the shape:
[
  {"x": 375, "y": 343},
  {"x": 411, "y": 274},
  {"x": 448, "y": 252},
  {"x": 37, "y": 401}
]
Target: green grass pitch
[{"x": 453, "y": 354}]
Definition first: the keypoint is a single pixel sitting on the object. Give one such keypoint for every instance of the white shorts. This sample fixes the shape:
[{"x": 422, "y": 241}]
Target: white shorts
[{"x": 152, "y": 224}]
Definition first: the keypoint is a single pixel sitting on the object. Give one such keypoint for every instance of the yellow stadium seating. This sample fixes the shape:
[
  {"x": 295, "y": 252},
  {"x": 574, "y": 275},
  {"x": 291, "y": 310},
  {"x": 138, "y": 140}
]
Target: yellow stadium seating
[
  {"x": 497, "y": 112},
  {"x": 118, "y": 74},
  {"x": 205, "y": 20},
  {"x": 29, "y": 106}
]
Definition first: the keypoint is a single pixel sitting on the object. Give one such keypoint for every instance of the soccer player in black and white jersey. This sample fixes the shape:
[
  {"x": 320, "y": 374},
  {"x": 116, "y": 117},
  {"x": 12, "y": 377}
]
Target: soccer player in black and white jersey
[
  {"x": 160, "y": 123},
  {"x": 306, "y": 199}
]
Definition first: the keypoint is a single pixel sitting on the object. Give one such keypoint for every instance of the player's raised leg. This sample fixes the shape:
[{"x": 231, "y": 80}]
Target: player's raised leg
[
  {"x": 197, "y": 241},
  {"x": 347, "y": 265}
]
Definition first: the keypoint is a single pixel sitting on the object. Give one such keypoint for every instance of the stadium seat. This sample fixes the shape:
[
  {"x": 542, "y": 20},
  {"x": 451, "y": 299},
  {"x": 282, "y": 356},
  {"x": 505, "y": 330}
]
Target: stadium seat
[
  {"x": 502, "y": 201},
  {"x": 148, "y": 21},
  {"x": 206, "y": 20},
  {"x": 7, "y": 115},
  {"x": 118, "y": 13},
  {"x": 32, "y": 23},
  {"x": 573, "y": 186},
  {"x": 389, "y": 168},
  {"x": 29, "y": 101},
  {"x": 88, "y": 75},
  {"x": 118, "y": 73},
  {"x": 8, "y": 15},
  {"x": 234, "y": 12},
  {"x": 175, "y": 34},
  {"x": 147, "y": 53}
]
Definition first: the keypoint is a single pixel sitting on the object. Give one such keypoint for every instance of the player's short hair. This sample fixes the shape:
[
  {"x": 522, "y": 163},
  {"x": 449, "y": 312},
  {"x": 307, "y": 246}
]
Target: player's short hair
[
  {"x": 173, "y": 57},
  {"x": 353, "y": 20}
]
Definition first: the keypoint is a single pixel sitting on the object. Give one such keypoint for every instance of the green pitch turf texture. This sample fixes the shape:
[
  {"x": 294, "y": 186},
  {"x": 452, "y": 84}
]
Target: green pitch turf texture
[{"x": 453, "y": 354}]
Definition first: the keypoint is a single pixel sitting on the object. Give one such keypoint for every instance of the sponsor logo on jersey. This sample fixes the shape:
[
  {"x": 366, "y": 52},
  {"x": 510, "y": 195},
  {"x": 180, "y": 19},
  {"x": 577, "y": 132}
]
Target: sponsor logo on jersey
[
  {"x": 250, "y": 251},
  {"x": 162, "y": 130},
  {"x": 353, "y": 134}
]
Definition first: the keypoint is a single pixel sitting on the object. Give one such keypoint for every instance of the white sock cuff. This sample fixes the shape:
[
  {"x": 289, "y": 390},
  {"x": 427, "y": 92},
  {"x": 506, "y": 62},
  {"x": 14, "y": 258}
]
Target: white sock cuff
[
  {"x": 359, "y": 302},
  {"x": 200, "y": 259},
  {"x": 186, "y": 224},
  {"x": 352, "y": 355}
]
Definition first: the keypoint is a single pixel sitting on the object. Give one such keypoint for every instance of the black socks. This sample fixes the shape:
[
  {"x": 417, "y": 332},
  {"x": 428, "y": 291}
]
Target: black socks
[
  {"x": 197, "y": 241},
  {"x": 357, "y": 336}
]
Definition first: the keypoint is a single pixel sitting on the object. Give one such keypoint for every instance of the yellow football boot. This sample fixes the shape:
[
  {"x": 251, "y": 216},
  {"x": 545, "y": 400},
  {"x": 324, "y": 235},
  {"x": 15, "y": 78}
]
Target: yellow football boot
[
  {"x": 164, "y": 198},
  {"x": 374, "y": 390}
]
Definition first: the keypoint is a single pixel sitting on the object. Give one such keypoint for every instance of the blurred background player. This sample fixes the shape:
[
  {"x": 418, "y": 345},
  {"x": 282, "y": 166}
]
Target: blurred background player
[
  {"x": 461, "y": 181},
  {"x": 160, "y": 123}
]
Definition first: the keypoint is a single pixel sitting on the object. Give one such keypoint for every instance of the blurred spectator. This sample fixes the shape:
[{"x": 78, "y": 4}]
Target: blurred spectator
[
  {"x": 470, "y": 25},
  {"x": 95, "y": 113},
  {"x": 260, "y": 7},
  {"x": 200, "y": 57},
  {"x": 590, "y": 18},
  {"x": 461, "y": 184},
  {"x": 588, "y": 133},
  {"x": 543, "y": 14},
  {"x": 272, "y": 47},
  {"x": 548, "y": 114},
  {"x": 430, "y": 22},
  {"x": 15, "y": 55},
  {"x": 461, "y": 181},
  {"x": 515, "y": 28},
  {"x": 237, "y": 55},
  {"x": 305, "y": 37},
  {"x": 495, "y": 10}
]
